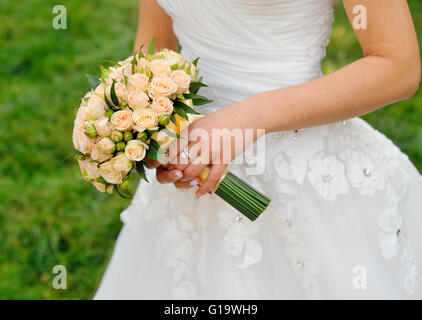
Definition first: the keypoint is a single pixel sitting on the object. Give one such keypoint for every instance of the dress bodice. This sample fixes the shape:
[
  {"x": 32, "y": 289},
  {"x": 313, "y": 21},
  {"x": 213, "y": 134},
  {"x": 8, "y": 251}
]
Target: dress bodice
[{"x": 250, "y": 46}]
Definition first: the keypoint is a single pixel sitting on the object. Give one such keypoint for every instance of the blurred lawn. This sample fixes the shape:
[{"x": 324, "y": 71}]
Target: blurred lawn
[{"x": 47, "y": 215}]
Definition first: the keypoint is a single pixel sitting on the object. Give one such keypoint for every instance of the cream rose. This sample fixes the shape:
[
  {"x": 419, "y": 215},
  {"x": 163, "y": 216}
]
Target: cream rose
[
  {"x": 160, "y": 68},
  {"x": 182, "y": 79},
  {"x": 193, "y": 72},
  {"x": 102, "y": 188},
  {"x": 162, "y": 105},
  {"x": 93, "y": 109},
  {"x": 135, "y": 150},
  {"x": 121, "y": 92},
  {"x": 99, "y": 91},
  {"x": 137, "y": 99},
  {"x": 122, "y": 163},
  {"x": 81, "y": 142},
  {"x": 110, "y": 174},
  {"x": 102, "y": 127},
  {"x": 144, "y": 119},
  {"x": 162, "y": 86},
  {"x": 122, "y": 120},
  {"x": 99, "y": 156},
  {"x": 105, "y": 145},
  {"x": 174, "y": 58},
  {"x": 116, "y": 73},
  {"x": 89, "y": 169},
  {"x": 138, "y": 81}
]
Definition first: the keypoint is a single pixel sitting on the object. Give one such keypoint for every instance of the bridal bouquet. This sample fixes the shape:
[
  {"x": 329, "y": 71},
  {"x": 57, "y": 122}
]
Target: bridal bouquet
[{"x": 134, "y": 110}]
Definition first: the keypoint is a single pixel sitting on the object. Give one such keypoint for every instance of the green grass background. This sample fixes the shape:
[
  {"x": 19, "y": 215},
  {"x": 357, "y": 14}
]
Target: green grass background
[{"x": 47, "y": 215}]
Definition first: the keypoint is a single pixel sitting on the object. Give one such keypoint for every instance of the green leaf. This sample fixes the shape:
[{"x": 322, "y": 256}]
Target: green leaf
[
  {"x": 172, "y": 134},
  {"x": 175, "y": 66},
  {"x": 104, "y": 72},
  {"x": 113, "y": 94},
  {"x": 140, "y": 53},
  {"x": 173, "y": 119},
  {"x": 110, "y": 62},
  {"x": 133, "y": 62},
  {"x": 124, "y": 193},
  {"x": 93, "y": 80},
  {"x": 141, "y": 170},
  {"x": 154, "y": 151},
  {"x": 184, "y": 107},
  {"x": 109, "y": 104},
  {"x": 181, "y": 112},
  {"x": 151, "y": 47},
  {"x": 179, "y": 47},
  {"x": 195, "y": 62},
  {"x": 200, "y": 101},
  {"x": 195, "y": 86}
]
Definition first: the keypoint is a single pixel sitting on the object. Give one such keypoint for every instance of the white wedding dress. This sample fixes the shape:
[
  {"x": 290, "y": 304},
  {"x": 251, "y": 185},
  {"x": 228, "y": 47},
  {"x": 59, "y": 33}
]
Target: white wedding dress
[{"x": 346, "y": 213}]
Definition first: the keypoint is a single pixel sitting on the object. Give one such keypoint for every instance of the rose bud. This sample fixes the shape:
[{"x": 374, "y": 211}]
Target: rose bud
[
  {"x": 90, "y": 131},
  {"x": 164, "y": 119},
  {"x": 127, "y": 136},
  {"x": 116, "y": 136},
  {"x": 125, "y": 184},
  {"x": 109, "y": 113},
  {"x": 120, "y": 146},
  {"x": 143, "y": 136}
]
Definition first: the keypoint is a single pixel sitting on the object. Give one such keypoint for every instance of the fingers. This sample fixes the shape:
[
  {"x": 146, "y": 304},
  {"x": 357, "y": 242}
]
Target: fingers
[
  {"x": 177, "y": 146},
  {"x": 187, "y": 184},
  {"x": 168, "y": 176},
  {"x": 211, "y": 181},
  {"x": 151, "y": 164}
]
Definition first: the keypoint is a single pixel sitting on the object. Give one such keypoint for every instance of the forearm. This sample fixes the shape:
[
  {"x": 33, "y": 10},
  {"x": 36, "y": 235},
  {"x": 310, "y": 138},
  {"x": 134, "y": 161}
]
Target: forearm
[
  {"x": 361, "y": 87},
  {"x": 154, "y": 22}
]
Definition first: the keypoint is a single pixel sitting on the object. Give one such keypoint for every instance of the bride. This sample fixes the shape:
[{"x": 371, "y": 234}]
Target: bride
[{"x": 345, "y": 216}]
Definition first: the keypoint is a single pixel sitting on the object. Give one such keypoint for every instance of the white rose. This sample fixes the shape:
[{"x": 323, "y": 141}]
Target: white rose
[
  {"x": 122, "y": 120},
  {"x": 135, "y": 150},
  {"x": 162, "y": 86},
  {"x": 81, "y": 142},
  {"x": 182, "y": 79},
  {"x": 137, "y": 99},
  {"x": 138, "y": 81},
  {"x": 105, "y": 145},
  {"x": 89, "y": 169},
  {"x": 144, "y": 119},
  {"x": 162, "y": 105},
  {"x": 102, "y": 127},
  {"x": 160, "y": 68}
]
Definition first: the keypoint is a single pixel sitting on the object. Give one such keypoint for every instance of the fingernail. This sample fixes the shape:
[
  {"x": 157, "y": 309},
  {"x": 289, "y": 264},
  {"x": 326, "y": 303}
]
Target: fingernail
[
  {"x": 178, "y": 174},
  {"x": 194, "y": 182},
  {"x": 198, "y": 195}
]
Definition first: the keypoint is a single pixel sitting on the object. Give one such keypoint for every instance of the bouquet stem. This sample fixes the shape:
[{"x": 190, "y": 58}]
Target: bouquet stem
[{"x": 241, "y": 196}]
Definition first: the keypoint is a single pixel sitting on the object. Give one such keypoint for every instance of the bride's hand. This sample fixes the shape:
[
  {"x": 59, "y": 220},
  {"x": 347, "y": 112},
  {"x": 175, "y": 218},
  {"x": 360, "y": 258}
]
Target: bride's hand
[{"x": 212, "y": 141}]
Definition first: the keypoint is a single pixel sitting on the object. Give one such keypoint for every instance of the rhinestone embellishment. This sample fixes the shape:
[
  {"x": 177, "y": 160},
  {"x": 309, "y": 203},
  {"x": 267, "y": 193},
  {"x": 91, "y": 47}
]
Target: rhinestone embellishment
[
  {"x": 327, "y": 178},
  {"x": 366, "y": 172},
  {"x": 299, "y": 263}
]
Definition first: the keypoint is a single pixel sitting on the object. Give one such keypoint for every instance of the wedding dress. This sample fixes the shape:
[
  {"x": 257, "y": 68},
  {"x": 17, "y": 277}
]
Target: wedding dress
[{"x": 346, "y": 213}]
